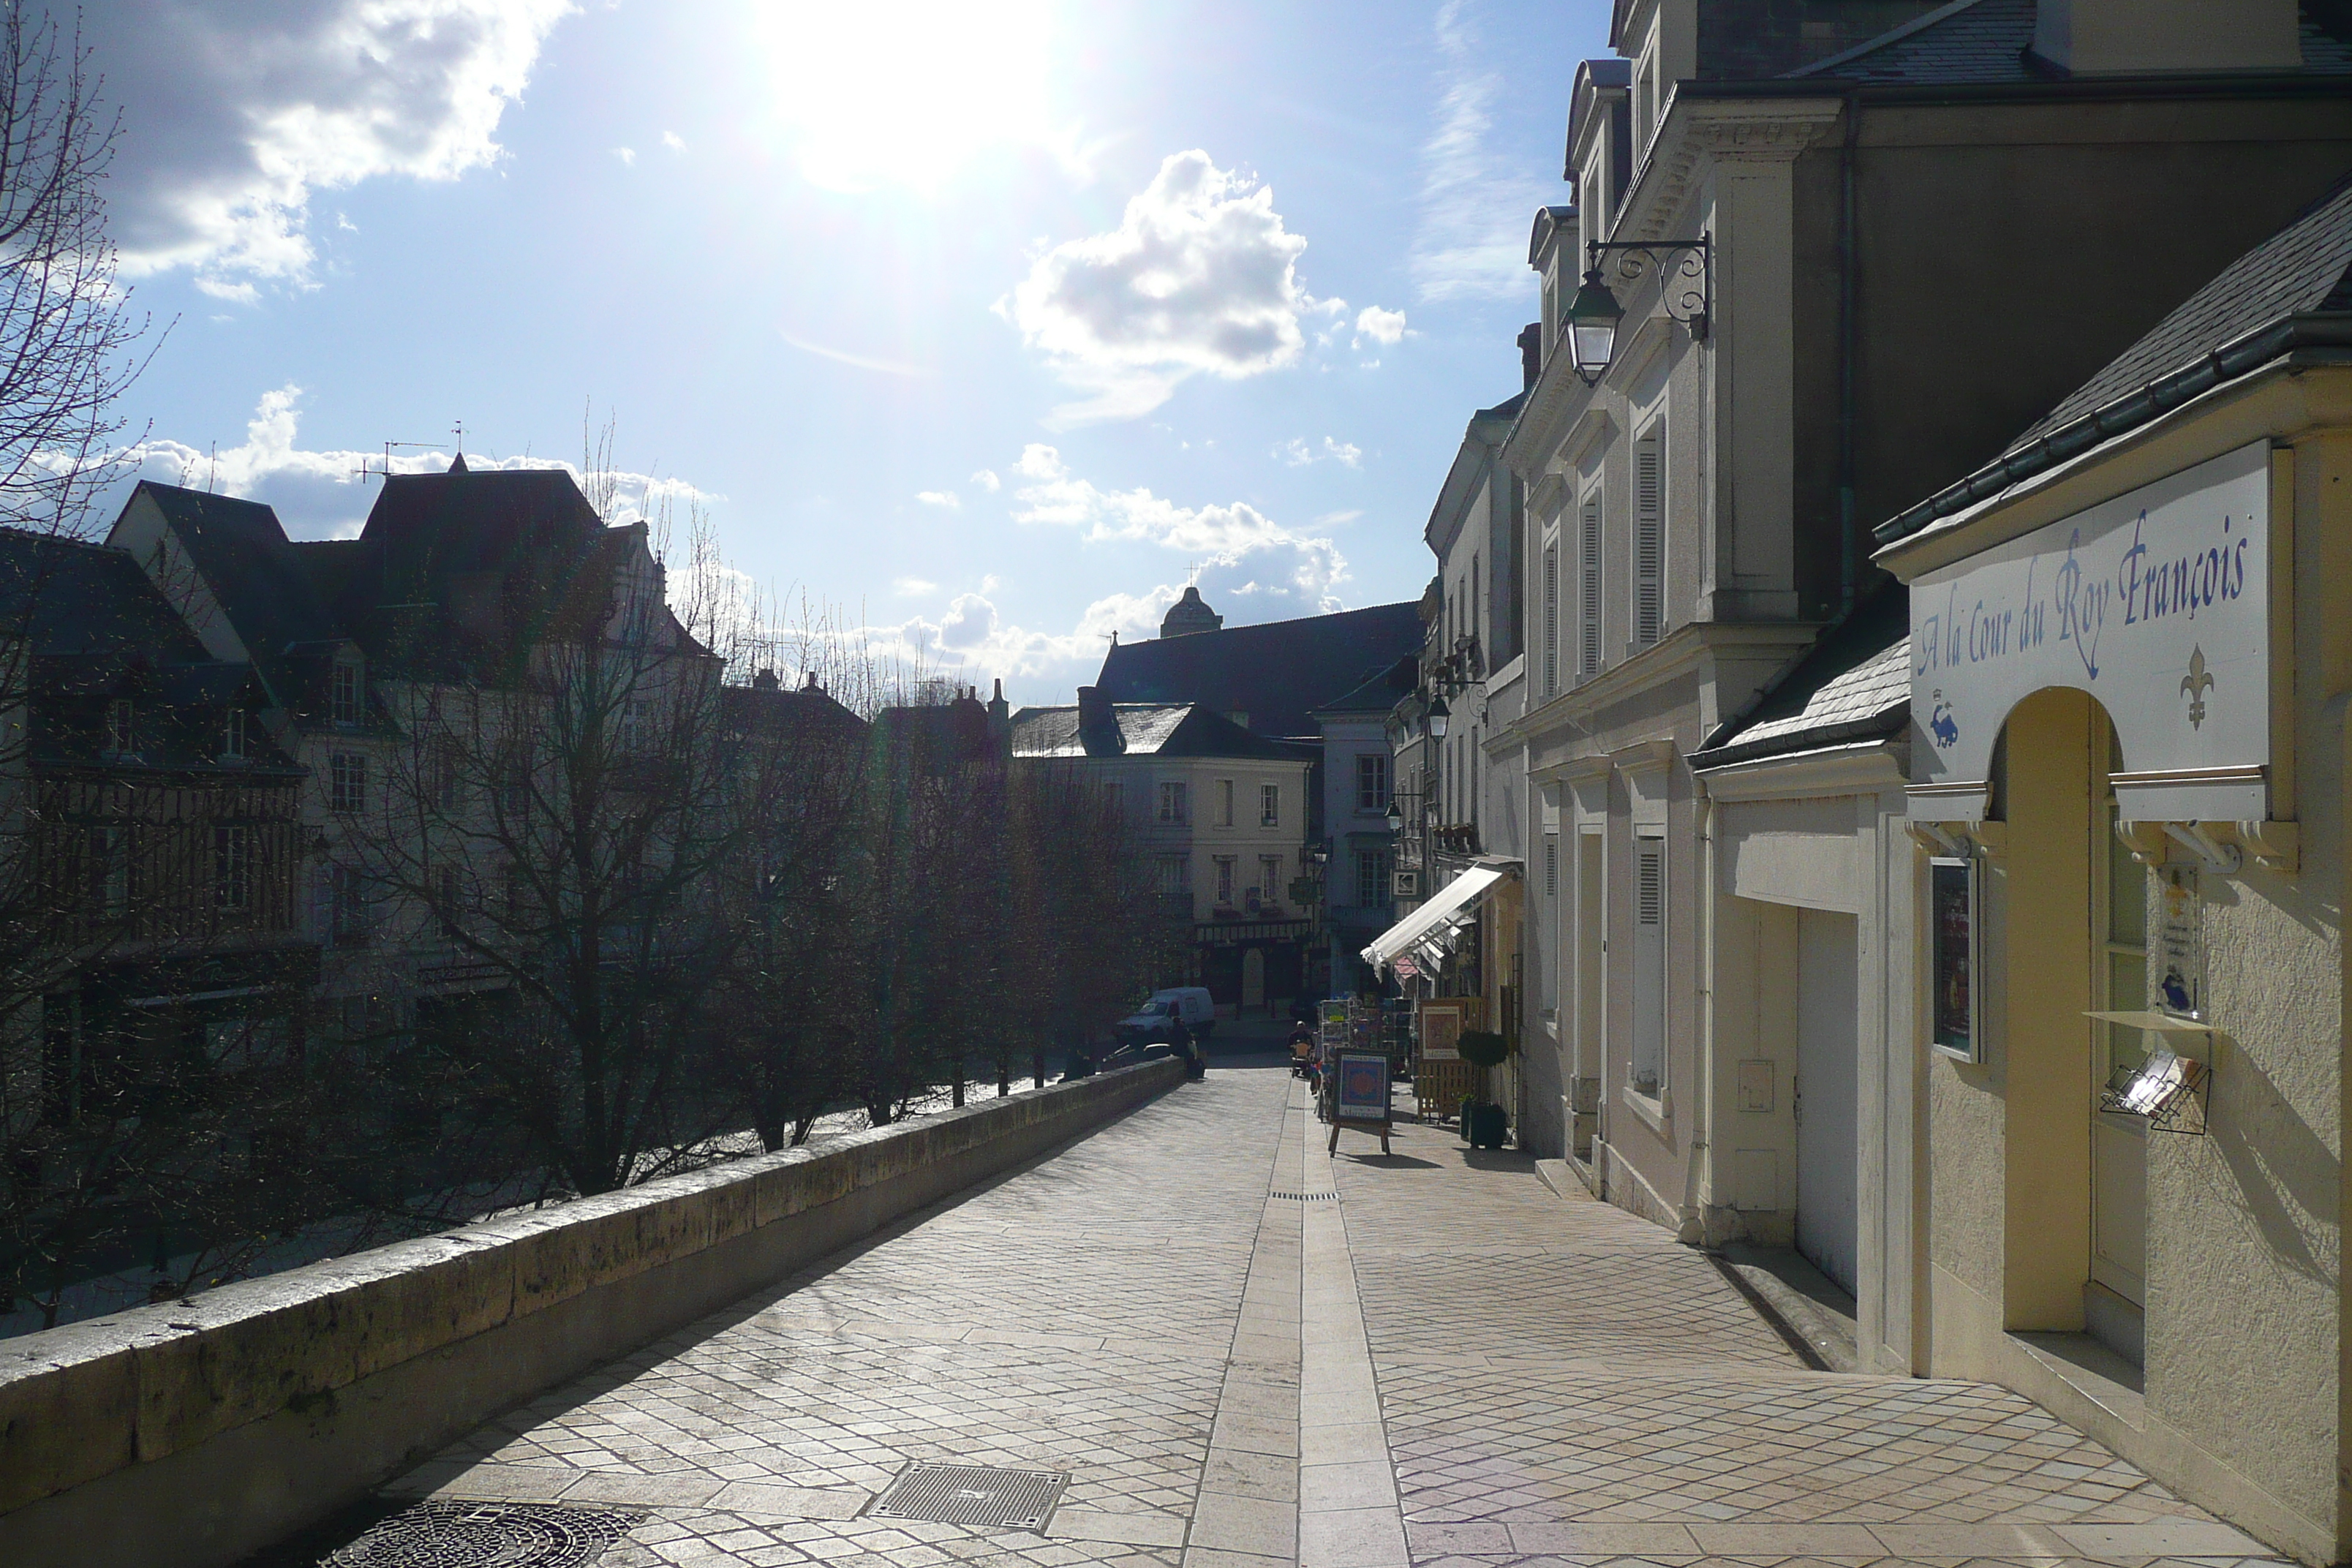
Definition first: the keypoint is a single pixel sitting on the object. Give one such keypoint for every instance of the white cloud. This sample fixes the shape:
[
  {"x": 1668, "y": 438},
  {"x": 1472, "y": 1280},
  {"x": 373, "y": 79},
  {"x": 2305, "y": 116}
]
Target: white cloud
[
  {"x": 1298, "y": 454},
  {"x": 1228, "y": 537},
  {"x": 946, "y": 499},
  {"x": 1380, "y": 326},
  {"x": 913, "y": 587},
  {"x": 672, "y": 141},
  {"x": 1475, "y": 199},
  {"x": 986, "y": 480},
  {"x": 1338, "y": 518},
  {"x": 1199, "y": 276},
  {"x": 627, "y": 155},
  {"x": 235, "y": 113},
  {"x": 321, "y": 494}
]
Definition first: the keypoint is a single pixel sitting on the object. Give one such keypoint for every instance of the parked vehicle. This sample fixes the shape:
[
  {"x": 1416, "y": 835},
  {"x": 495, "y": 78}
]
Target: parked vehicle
[{"x": 1154, "y": 1022}]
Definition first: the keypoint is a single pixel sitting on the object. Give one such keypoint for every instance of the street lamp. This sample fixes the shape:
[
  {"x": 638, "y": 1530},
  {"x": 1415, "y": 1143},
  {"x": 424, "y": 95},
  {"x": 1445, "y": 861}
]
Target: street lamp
[
  {"x": 1592, "y": 318},
  {"x": 1685, "y": 293},
  {"x": 1439, "y": 715},
  {"x": 1395, "y": 817}
]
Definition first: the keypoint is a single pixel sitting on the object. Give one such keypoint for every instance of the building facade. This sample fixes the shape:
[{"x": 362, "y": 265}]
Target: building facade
[
  {"x": 1814, "y": 239},
  {"x": 2128, "y": 667},
  {"x": 1224, "y": 816}
]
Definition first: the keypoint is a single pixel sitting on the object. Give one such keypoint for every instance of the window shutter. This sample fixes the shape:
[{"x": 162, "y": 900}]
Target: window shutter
[
  {"x": 1551, "y": 865},
  {"x": 1648, "y": 1064},
  {"x": 1649, "y": 538},
  {"x": 1551, "y": 621},
  {"x": 1589, "y": 592}
]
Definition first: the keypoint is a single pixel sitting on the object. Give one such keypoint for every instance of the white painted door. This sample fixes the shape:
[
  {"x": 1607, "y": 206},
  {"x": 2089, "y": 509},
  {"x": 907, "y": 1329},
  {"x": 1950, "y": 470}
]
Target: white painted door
[{"x": 1828, "y": 1136}]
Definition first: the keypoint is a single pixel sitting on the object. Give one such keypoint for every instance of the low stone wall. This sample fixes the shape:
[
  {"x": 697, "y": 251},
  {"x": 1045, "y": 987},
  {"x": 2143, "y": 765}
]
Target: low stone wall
[{"x": 197, "y": 1433}]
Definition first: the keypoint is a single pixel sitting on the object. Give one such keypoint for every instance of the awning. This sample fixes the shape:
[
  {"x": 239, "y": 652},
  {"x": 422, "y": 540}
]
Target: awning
[{"x": 1434, "y": 920}]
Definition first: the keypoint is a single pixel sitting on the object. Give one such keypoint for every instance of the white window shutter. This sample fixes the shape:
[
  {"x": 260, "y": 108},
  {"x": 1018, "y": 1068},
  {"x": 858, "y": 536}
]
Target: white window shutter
[
  {"x": 1589, "y": 590},
  {"x": 1649, "y": 538},
  {"x": 1551, "y": 621}
]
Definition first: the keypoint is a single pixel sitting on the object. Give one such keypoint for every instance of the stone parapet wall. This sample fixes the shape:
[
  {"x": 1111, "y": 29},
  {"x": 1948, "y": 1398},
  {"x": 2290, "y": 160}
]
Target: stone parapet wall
[{"x": 200, "y": 1431}]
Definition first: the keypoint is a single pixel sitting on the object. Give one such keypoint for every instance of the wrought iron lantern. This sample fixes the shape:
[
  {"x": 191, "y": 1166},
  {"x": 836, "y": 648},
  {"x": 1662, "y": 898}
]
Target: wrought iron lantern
[
  {"x": 1686, "y": 292},
  {"x": 1439, "y": 716}
]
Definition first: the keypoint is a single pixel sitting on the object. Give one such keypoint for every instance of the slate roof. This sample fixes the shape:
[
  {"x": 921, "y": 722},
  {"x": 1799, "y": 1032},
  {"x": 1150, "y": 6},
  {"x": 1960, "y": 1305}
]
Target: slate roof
[
  {"x": 78, "y": 600},
  {"x": 2293, "y": 291},
  {"x": 242, "y": 554},
  {"x": 1277, "y": 673},
  {"x": 1853, "y": 684},
  {"x": 1975, "y": 41},
  {"x": 1148, "y": 730},
  {"x": 1378, "y": 695}
]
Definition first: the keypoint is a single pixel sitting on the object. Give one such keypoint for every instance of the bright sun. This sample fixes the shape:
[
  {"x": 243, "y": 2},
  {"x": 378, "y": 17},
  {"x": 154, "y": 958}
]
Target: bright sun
[{"x": 903, "y": 94}]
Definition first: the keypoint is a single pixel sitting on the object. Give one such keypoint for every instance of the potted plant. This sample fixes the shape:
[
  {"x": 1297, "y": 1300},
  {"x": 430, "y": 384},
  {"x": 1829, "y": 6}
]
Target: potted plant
[{"x": 1482, "y": 1124}]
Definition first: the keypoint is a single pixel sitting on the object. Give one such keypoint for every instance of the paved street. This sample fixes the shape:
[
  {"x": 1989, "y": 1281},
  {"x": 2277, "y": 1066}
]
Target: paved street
[{"x": 1247, "y": 1354}]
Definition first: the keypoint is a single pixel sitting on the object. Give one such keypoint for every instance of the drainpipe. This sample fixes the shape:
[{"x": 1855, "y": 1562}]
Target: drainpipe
[
  {"x": 1845, "y": 353},
  {"x": 1698, "y": 1171}
]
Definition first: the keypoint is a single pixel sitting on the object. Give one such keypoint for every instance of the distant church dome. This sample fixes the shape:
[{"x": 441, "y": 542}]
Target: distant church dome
[{"x": 1190, "y": 615}]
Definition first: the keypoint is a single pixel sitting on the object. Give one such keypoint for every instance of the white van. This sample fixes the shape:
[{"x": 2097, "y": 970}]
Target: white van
[{"x": 1152, "y": 1023}]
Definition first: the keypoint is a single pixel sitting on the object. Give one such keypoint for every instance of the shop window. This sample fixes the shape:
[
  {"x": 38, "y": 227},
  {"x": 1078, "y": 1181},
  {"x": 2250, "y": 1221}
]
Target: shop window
[{"x": 1646, "y": 1062}]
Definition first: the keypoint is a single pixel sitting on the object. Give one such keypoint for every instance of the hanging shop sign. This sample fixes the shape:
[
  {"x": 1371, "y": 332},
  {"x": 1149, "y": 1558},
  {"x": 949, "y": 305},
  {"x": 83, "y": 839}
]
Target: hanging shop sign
[
  {"x": 1952, "y": 935},
  {"x": 2157, "y": 602}
]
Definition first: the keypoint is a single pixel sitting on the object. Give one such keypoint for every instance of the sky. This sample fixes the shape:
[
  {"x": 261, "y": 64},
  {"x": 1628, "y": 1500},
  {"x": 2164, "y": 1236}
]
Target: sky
[{"x": 980, "y": 325}]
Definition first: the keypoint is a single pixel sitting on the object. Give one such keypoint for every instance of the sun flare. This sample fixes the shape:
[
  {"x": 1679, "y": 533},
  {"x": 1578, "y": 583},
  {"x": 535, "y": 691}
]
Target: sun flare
[{"x": 904, "y": 94}]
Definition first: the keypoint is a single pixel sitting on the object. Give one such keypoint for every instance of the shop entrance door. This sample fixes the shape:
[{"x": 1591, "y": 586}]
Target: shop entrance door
[{"x": 1828, "y": 1059}]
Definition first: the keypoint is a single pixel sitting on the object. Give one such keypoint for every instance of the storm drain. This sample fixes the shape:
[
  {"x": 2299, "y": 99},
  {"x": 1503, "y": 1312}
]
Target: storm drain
[
  {"x": 1309, "y": 1197},
  {"x": 486, "y": 1535},
  {"x": 980, "y": 1496}
]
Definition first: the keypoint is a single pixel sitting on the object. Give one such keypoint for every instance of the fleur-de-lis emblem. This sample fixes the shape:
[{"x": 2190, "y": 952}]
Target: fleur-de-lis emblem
[{"x": 2195, "y": 684}]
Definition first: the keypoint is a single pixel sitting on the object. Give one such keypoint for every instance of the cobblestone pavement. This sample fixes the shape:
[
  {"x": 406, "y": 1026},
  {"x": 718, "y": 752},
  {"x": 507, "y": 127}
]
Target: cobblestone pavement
[{"x": 1246, "y": 1353}]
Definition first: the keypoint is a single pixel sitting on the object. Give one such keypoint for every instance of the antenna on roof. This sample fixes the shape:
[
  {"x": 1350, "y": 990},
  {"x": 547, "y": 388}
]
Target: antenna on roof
[
  {"x": 383, "y": 470},
  {"x": 458, "y": 430},
  {"x": 212, "y": 475}
]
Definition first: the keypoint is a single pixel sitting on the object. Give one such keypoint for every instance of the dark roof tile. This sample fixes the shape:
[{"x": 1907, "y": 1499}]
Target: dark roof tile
[{"x": 1277, "y": 673}]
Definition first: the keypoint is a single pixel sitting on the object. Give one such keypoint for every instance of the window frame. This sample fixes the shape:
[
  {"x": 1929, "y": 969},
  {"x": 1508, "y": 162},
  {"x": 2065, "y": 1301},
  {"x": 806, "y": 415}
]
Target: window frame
[
  {"x": 1269, "y": 804},
  {"x": 1376, "y": 800},
  {"x": 347, "y": 783}
]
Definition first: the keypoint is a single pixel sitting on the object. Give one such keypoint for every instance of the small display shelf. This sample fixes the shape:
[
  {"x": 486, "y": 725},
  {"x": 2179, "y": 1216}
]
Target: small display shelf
[{"x": 2168, "y": 1091}]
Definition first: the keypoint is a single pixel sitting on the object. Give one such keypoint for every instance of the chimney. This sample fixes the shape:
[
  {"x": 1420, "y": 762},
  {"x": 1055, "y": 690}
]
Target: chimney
[
  {"x": 2137, "y": 37},
  {"x": 1530, "y": 353},
  {"x": 999, "y": 711},
  {"x": 764, "y": 681}
]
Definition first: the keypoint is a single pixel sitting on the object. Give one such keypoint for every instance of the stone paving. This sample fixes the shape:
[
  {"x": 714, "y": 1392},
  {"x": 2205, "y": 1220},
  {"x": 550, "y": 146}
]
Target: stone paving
[{"x": 1247, "y": 1354}]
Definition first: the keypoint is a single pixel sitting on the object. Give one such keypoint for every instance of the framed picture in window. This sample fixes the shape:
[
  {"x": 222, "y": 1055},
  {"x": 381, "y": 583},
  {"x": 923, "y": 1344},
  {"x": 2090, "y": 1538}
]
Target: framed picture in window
[{"x": 1952, "y": 1024}]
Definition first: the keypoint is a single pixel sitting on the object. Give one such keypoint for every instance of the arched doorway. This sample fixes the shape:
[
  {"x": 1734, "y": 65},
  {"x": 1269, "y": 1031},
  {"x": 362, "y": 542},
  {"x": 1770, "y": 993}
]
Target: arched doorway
[{"x": 2071, "y": 927}]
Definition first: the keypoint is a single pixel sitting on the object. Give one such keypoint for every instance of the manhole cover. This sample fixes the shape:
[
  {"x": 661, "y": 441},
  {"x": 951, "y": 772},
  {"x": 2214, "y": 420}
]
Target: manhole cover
[
  {"x": 978, "y": 1495},
  {"x": 486, "y": 1535}
]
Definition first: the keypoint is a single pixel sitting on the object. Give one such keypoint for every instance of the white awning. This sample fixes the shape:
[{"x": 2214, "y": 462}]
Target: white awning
[{"x": 1432, "y": 923}]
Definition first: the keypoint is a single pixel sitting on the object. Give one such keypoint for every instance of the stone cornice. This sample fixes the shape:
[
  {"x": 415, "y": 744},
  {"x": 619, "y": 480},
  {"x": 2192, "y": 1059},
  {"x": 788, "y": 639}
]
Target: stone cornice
[
  {"x": 1867, "y": 769},
  {"x": 1695, "y": 131}
]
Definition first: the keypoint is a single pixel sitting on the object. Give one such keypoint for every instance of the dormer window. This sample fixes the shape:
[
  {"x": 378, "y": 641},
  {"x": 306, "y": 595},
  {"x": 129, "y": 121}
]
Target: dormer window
[
  {"x": 345, "y": 694},
  {"x": 233, "y": 736},
  {"x": 121, "y": 726}
]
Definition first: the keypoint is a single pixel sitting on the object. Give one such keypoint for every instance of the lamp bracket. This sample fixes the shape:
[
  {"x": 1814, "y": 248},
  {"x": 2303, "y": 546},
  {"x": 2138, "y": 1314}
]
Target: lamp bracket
[{"x": 1686, "y": 274}]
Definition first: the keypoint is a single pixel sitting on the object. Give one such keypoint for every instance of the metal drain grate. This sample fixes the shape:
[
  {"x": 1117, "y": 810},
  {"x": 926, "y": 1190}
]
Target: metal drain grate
[
  {"x": 981, "y": 1496},
  {"x": 1309, "y": 1197},
  {"x": 488, "y": 1535}
]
